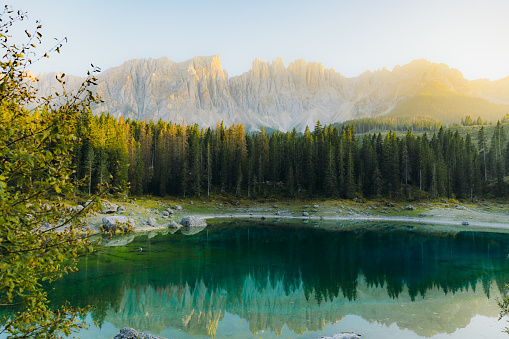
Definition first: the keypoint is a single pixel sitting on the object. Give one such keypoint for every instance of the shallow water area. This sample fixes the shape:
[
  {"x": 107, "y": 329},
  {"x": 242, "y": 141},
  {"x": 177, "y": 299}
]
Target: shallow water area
[{"x": 280, "y": 279}]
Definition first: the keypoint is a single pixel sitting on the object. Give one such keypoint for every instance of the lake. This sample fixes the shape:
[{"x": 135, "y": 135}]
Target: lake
[{"x": 244, "y": 279}]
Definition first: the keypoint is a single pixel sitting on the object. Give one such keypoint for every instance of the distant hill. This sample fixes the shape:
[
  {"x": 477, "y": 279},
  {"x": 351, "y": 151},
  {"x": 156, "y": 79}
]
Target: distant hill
[
  {"x": 283, "y": 97},
  {"x": 448, "y": 108}
]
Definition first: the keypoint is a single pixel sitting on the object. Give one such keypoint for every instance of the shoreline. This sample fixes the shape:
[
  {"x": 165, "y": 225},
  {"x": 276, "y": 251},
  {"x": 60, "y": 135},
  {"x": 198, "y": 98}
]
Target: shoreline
[
  {"x": 379, "y": 218},
  {"x": 429, "y": 221},
  {"x": 462, "y": 216}
]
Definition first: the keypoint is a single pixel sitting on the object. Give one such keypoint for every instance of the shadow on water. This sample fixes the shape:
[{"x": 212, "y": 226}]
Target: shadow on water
[{"x": 277, "y": 274}]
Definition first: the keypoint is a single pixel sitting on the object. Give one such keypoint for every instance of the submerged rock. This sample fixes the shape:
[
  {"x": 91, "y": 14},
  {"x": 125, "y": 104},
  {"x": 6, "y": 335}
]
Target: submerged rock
[
  {"x": 192, "y": 230},
  {"x": 131, "y": 333},
  {"x": 118, "y": 240}
]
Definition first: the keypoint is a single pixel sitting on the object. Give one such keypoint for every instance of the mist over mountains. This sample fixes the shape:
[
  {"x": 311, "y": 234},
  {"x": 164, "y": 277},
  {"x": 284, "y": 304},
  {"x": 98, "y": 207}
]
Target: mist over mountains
[{"x": 283, "y": 97}]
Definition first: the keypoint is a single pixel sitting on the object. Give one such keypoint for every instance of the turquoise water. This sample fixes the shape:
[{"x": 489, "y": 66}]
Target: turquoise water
[{"x": 293, "y": 280}]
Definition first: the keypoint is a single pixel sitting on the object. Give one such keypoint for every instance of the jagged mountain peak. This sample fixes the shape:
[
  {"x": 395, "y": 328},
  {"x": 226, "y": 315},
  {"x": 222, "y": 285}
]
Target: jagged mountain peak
[{"x": 271, "y": 94}]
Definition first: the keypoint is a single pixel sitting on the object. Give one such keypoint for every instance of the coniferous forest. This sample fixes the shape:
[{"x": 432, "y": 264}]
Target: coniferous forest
[{"x": 188, "y": 161}]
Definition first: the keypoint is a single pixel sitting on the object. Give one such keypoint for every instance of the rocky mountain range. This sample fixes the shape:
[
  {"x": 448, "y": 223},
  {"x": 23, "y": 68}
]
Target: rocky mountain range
[{"x": 283, "y": 97}]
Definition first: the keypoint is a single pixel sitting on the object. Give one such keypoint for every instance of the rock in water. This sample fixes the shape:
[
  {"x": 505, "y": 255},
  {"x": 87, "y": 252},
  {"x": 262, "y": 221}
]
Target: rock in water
[
  {"x": 114, "y": 222},
  {"x": 131, "y": 333},
  {"x": 192, "y": 221}
]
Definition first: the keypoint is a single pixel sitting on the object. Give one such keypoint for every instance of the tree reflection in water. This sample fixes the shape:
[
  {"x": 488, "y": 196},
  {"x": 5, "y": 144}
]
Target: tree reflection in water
[{"x": 274, "y": 274}]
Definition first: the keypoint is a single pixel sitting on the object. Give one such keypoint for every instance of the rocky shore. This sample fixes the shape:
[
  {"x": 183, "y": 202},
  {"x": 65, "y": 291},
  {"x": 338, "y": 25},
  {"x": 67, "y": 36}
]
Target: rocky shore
[{"x": 153, "y": 214}]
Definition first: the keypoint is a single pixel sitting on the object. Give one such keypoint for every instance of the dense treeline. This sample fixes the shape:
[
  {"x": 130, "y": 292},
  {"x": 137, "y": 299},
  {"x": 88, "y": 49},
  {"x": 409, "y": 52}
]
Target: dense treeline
[
  {"x": 415, "y": 124},
  {"x": 180, "y": 160}
]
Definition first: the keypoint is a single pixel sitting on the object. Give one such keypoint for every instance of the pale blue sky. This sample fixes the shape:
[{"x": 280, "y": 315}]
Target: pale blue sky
[{"x": 349, "y": 36}]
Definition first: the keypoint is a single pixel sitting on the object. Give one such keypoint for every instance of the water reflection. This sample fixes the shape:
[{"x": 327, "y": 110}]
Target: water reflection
[{"x": 303, "y": 277}]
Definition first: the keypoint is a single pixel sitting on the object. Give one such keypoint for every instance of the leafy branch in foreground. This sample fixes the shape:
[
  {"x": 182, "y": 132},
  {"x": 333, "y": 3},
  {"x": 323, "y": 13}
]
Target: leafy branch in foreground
[{"x": 40, "y": 238}]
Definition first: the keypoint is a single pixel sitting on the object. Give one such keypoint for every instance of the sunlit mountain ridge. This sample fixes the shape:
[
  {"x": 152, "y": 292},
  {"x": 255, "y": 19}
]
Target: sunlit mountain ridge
[{"x": 283, "y": 97}]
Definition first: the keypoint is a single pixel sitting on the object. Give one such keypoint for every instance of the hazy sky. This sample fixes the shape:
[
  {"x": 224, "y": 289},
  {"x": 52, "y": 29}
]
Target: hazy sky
[{"x": 350, "y": 36}]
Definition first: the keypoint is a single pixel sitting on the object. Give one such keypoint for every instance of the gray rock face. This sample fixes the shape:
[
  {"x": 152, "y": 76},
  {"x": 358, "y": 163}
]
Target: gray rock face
[
  {"x": 410, "y": 208},
  {"x": 165, "y": 214},
  {"x": 108, "y": 207},
  {"x": 152, "y": 221},
  {"x": 192, "y": 221},
  {"x": 131, "y": 333},
  {"x": 305, "y": 214},
  {"x": 112, "y": 223},
  {"x": 177, "y": 208},
  {"x": 269, "y": 94}
]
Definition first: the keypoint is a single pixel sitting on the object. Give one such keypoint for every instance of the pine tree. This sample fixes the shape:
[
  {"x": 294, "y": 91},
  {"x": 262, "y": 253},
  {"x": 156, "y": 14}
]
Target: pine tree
[
  {"x": 481, "y": 142},
  {"x": 330, "y": 183},
  {"x": 195, "y": 160},
  {"x": 209, "y": 168}
]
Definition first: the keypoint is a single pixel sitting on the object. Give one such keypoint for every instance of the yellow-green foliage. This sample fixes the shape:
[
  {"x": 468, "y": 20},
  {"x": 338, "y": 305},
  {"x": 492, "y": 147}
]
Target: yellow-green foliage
[{"x": 38, "y": 241}]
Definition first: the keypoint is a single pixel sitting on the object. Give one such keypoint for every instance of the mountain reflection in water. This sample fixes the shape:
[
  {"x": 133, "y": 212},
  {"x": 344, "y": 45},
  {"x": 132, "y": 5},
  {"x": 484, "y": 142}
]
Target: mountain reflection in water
[{"x": 304, "y": 277}]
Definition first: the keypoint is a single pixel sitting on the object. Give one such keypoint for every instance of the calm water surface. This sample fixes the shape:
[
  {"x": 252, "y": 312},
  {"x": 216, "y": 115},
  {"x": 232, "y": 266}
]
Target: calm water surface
[{"x": 280, "y": 280}]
